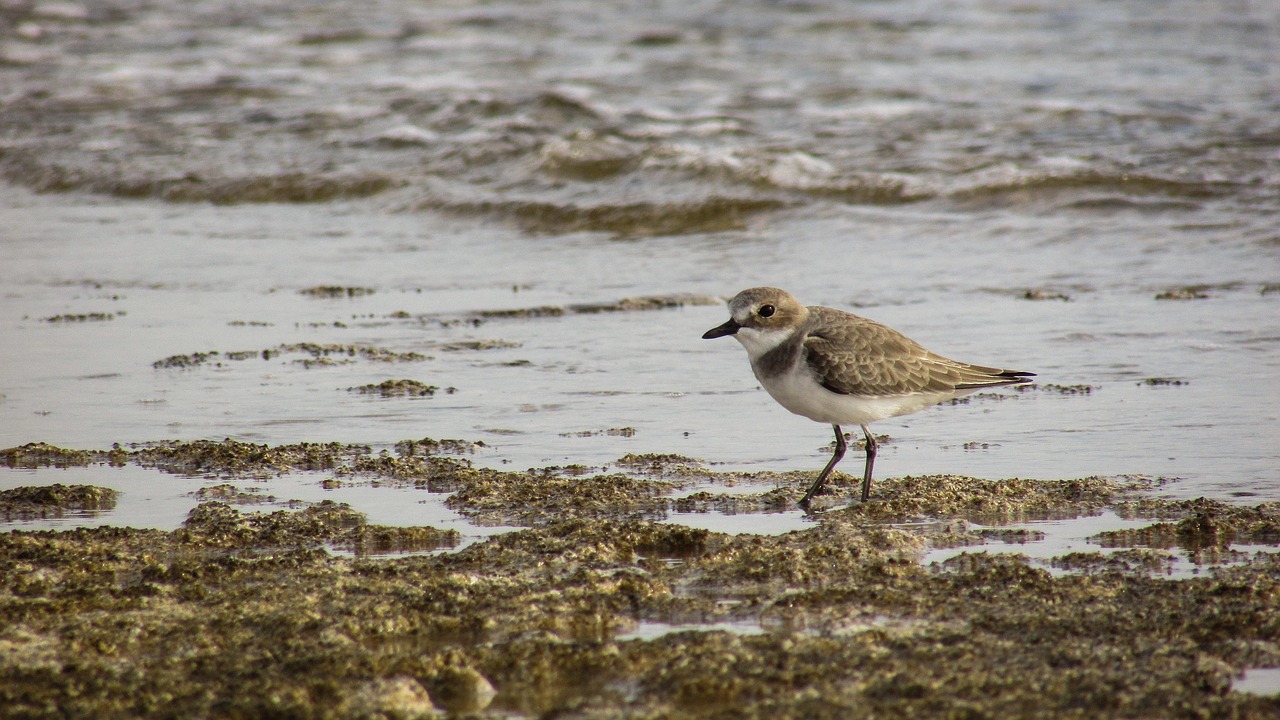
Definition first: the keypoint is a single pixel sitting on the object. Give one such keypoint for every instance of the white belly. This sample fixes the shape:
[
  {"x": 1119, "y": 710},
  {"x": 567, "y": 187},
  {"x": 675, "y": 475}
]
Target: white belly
[{"x": 801, "y": 394}]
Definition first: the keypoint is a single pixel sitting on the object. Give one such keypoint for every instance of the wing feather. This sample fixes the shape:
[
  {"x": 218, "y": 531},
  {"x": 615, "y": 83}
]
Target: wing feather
[{"x": 853, "y": 355}]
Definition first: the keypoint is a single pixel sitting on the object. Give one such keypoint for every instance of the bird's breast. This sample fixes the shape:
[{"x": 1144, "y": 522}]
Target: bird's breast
[{"x": 800, "y": 392}]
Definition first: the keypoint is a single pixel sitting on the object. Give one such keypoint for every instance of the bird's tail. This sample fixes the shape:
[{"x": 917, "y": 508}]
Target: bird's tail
[{"x": 995, "y": 377}]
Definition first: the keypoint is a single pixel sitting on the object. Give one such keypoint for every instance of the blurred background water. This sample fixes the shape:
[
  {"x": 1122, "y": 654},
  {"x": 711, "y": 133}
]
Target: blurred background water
[{"x": 1089, "y": 191}]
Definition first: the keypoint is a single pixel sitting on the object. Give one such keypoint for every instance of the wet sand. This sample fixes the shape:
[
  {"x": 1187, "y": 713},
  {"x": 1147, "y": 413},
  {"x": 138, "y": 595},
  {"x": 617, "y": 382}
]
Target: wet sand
[{"x": 598, "y": 609}]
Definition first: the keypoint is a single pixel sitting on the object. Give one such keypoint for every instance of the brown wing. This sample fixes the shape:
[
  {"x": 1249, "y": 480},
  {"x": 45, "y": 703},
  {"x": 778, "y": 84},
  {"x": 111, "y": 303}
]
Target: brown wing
[{"x": 856, "y": 356}]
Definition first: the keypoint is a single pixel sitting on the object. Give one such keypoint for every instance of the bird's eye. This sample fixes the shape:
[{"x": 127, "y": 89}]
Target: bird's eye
[{"x": 765, "y": 311}]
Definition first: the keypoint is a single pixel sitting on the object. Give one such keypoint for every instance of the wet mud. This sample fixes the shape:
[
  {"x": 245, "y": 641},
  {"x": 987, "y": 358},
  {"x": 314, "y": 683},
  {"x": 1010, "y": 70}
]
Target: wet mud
[{"x": 314, "y": 612}]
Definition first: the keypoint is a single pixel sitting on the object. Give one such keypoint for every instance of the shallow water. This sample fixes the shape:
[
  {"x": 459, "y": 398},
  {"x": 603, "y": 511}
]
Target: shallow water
[
  {"x": 1259, "y": 681},
  {"x": 1052, "y": 539},
  {"x": 150, "y": 498},
  {"x": 924, "y": 165},
  {"x": 650, "y": 630}
]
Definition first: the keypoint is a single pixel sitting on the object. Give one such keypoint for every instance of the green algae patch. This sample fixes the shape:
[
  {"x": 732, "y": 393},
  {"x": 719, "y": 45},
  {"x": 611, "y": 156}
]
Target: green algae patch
[
  {"x": 443, "y": 446},
  {"x": 1004, "y": 500},
  {"x": 535, "y": 498},
  {"x": 1139, "y": 561},
  {"x": 188, "y": 360},
  {"x": 478, "y": 345},
  {"x": 1197, "y": 524},
  {"x": 398, "y": 388},
  {"x": 658, "y": 463},
  {"x": 336, "y": 291},
  {"x": 217, "y": 524},
  {"x": 81, "y": 317},
  {"x": 232, "y": 457},
  {"x": 196, "y": 457},
  {"x": 629, "y": 304},
  {"x": 26, "y": 503},
  {"x": 35, "y": 455},
  {"x": 314, "y": 355}
]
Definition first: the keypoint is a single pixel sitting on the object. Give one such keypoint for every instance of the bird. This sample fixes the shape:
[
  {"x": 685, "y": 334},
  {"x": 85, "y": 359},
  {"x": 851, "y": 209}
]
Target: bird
[{"x": 835, "y": 367}]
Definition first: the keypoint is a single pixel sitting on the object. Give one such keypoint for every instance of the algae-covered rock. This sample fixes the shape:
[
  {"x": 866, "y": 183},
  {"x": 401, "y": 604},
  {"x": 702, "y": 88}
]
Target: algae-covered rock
[
  {"x": 461, "y": 689},
  {"x": 228, "y": 617},
  {"x": 393, "y": 698},
  {"x": 601, "y": 608},
  {"x": 217, "y": 524},
  {"x": 535, "y": 498},
  {"x": 240, "y": 458},
  {"x": 397, "y": 388},
  {"x": 25, "y": 503},
  {"x": 34, "y": 455}
]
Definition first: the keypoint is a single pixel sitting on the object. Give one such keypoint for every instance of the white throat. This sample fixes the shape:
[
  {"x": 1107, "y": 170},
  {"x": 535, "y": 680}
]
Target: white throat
[{"x": 758, "y": 342}]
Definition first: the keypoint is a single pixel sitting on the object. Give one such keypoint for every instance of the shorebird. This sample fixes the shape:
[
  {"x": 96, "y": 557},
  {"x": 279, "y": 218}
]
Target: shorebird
[{"x": 835, "y": 367}]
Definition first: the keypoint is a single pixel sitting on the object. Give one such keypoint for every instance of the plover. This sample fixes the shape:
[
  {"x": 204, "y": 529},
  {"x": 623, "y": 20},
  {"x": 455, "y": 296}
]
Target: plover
[{"x": 835, "y": 367}]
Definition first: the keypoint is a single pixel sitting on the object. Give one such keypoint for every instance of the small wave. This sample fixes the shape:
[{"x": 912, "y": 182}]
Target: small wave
[
  {"x": 873, "y": 190},
  {"x": 545, "y": 110},
  {"x": 796, "y": 173},
  {"x": 587, "y": 156},
  {"x": 1113, "y": 203},
  {"x": 1009, "y": 184},
  {"x": 713, "y": 213},
  {"x": 278, "y": 188}
]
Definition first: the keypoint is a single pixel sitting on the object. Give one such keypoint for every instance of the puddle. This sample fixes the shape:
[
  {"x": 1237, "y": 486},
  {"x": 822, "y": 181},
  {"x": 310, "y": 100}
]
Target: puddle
[
  {"x": 1047, "y": 540},
  {"x": 148, "y": 498},
  {"x": 720, "y": 488},
  {"x": 801, "y": 625},
  {"x": 651, "y": 630},
  {"x": 1054, "y": 538},
  {"x": 151, "y": 498},
  {"x": 762, "y": 523},
  {"x": 1258, "y": 681}
]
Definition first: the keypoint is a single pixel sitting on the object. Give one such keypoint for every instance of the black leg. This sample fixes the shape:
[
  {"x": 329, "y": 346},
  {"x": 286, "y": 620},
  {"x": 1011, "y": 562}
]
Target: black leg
[
  {"x": 841, "y": 446},
  {"x": 871, "y": 460}
]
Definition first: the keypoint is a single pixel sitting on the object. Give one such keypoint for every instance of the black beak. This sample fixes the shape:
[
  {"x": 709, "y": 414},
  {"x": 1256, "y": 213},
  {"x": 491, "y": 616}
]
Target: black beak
[{"x": 728, "y": 328}]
